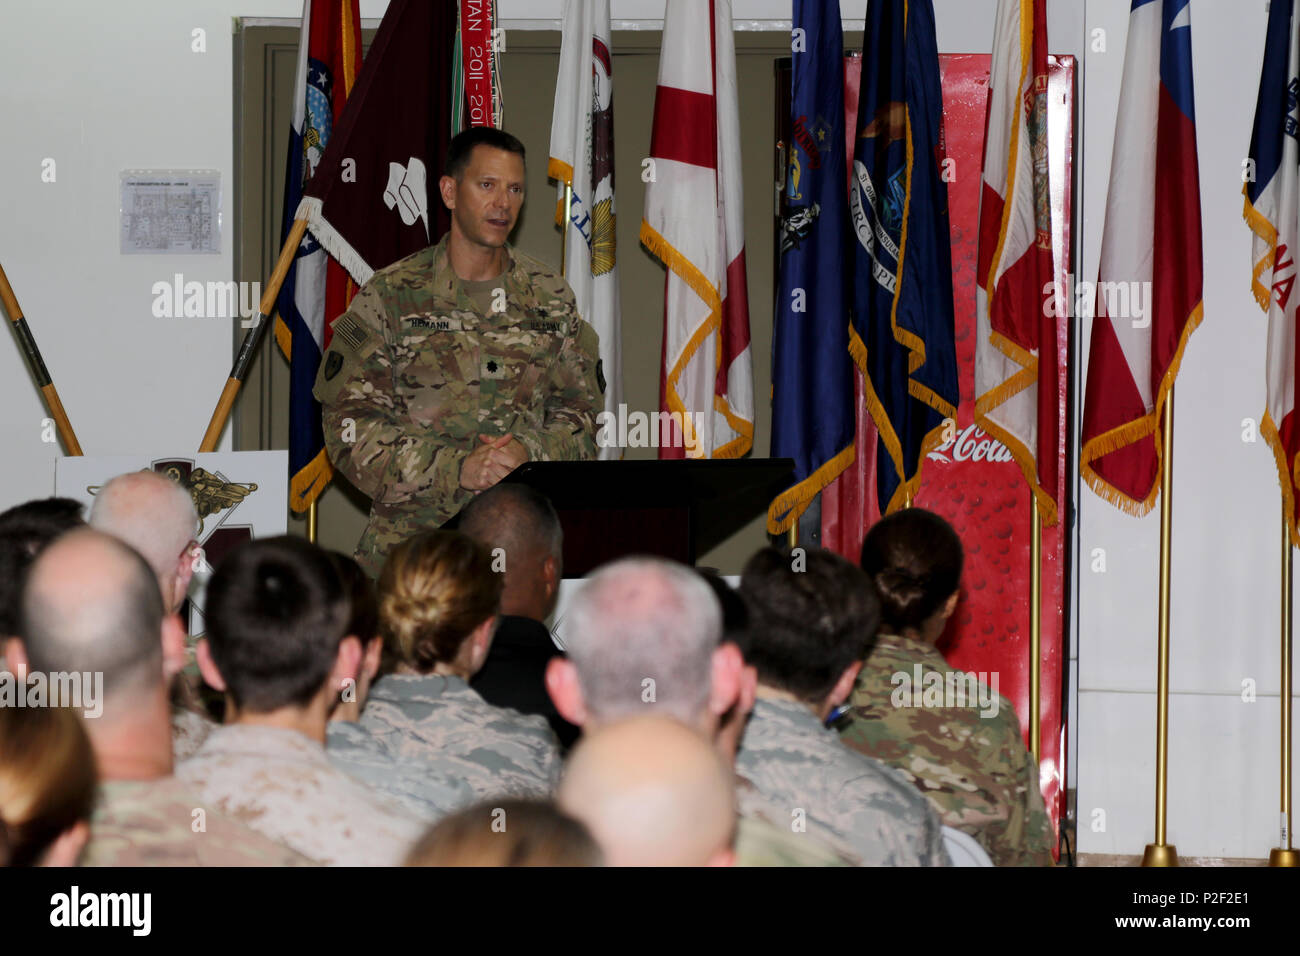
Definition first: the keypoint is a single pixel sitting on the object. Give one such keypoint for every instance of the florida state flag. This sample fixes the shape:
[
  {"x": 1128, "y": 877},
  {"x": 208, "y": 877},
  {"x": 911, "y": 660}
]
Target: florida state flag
[
  {"x": 694, "y": 222},
  {"x": 1016, "y": 341}
]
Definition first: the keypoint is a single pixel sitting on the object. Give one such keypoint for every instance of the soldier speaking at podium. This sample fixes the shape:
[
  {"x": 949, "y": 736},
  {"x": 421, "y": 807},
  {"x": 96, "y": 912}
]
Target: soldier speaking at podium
[{"x": 459, "y": 363}]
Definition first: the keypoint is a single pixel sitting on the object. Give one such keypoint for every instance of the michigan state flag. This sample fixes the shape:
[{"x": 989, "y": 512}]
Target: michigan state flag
[
  {"x": 902, "y": 334},
  {"x": 812, "y": 373}
]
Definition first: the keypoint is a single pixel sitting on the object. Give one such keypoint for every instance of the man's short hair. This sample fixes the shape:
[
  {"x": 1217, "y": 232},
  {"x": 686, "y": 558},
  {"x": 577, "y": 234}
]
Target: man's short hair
[
  {"x": 462, "y": 146},
  {"x": 641, "y": 633},
  {"x": 152, "y": 513},
  {"x": 24, "y": 530},
  {"x": 276, "y": 614},
  {"x": 116, "y": 631},
  {"x": 806, "y": 625},
  {"x": 513, "y": 516}
]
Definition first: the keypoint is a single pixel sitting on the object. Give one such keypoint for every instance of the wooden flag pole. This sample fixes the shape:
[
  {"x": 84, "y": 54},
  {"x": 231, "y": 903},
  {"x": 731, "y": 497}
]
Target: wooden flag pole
[
  {"x": 1286, "y": 855},
  {"x": 37, "y": 366},
  {"x": 1160, "y": 853},
  {"x": 1035, "y": 626},
  {"x": 252, "y": 338}
]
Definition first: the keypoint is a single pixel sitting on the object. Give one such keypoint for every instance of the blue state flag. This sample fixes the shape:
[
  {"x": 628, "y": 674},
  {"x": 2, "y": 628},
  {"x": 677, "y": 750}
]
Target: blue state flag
[
  {"x": 812, "y": 373},
  {"x": 902, "y": 326}
]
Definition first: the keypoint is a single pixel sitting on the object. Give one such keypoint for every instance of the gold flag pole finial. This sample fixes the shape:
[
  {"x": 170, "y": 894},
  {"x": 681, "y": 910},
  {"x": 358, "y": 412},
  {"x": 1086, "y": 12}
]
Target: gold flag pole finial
[
  {"x": 1161, "y": 853},
  {"x": 1286, "y": 854}
]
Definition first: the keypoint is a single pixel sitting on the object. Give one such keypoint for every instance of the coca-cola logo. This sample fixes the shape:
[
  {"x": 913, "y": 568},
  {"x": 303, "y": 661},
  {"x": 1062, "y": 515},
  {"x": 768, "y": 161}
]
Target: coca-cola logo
[{"x": 971, "y": 444}]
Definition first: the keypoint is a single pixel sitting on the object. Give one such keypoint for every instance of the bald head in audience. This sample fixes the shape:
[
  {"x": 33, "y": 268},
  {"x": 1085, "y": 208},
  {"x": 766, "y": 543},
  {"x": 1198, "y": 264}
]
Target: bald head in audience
[
  {"x": 91, "y": 604},
  {"x": 156, "y": 517},
  {"x": 522, "y": 523},
  {"x": 653, "y": 792}
]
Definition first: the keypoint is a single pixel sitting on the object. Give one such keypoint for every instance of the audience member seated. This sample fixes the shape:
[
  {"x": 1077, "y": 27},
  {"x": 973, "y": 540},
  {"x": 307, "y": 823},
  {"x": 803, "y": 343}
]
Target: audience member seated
[
  {"x": 24, "y": 530},
  {"x": 277, "y": 646},
  {"x": 422, "y": 792},
  {"x": 156, "y": 516},
  {"x": 811, "y": 622},
  {"x": 645, "y": 637},
  {"x": 47, "y": 786},
  {"x": 522, "y": 524},
  {"x": 91, "y": 605},
  {"x": 507, "y": 833},
  {"x": 653, "y": 792},
  {"x": 970, "y": 759},
  {"x": 438, "y": 600}
]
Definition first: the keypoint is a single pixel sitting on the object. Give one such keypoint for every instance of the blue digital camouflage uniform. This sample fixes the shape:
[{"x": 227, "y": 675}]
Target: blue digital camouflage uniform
[
  {"x": 974, "y": 768},
  {"x": 421, "y": 790},
  {"x": 798, "y": 764},
  {"x": 416, "y": 371},
  {"x": 443, "y": 723}
]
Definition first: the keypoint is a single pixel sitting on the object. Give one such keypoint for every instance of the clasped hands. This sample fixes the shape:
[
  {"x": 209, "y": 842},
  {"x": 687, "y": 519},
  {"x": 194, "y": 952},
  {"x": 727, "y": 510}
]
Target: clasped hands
[{"x": 495, "y": 458}]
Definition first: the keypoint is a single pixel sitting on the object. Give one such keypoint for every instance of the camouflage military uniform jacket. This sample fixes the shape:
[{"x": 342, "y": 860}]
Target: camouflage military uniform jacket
[
  {"x": 770, "y": 836},
  {"x": 153, "y": 823},
  {"x": 974, "y": 769},
  {"x": 444, "y": 723},
  {"x": 798, "y": 764},
  {"x": 421, "y": 790},
  {"x": 415, "y": 372},
  {"x": 280, "y": 783}
]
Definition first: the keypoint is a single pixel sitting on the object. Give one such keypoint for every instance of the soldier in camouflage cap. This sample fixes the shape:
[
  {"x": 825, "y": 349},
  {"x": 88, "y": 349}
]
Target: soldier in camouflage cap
[
  {"x": 91, "y": 604},
  {"x": 438, "y": 600},
  {"x": 966, "y": 755},
  {"x": 809, "y": 628},
  {"x": 457, "y": 364}
]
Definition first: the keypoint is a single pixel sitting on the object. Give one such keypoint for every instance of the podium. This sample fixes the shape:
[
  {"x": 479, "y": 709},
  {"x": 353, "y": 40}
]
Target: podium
[{"x": 676, "y": 509}]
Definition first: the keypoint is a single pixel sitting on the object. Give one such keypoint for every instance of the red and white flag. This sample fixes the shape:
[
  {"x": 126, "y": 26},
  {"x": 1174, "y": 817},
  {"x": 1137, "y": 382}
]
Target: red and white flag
[
  {"x": 1148, "y": 295},
  {"x": 694, "y": 222},
  {"x": 1016, "y": 344}
]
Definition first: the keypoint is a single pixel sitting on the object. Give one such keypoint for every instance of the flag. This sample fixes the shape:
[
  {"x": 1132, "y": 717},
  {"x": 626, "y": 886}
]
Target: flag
[
  {"x": 1016, "y": 343},
  {"x": 902, "y": 335},
  {"x": 374, "y": 198},
  {"x": 476, "y": 67},
  {"x": 582, "y": 156},
  {"x": 1148, "y": 293},
  {"x": 812, "y": 374},
  {"x": 1271, "y": 211},
  {"x": 315, "y": 289},
  {"x": 694, "y": 222}
]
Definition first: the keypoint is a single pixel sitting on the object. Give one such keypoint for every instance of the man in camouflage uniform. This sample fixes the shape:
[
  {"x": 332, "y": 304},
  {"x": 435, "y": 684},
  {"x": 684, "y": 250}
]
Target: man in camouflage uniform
[
  {"x": 91, "y": 604},
  {"x": 639, "y": 618},
  {"x": 278, "y": 647},
  {"x": 807, "y": 633},
  {"x": 970, "y": 762},
  {"x": 459, "y": 363}
]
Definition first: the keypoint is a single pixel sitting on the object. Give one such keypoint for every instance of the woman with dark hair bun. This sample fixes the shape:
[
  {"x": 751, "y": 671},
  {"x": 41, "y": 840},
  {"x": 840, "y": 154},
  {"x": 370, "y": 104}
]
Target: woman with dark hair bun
[{"x": 951, "y": 733}]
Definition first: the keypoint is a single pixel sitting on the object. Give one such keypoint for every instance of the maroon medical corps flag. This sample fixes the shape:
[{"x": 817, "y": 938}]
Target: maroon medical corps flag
[
  {"x": 1016, "y": 302},
  {"x": 1148, "y": 296},
  {"x": 374, "y": 197},
  {"x": 694, "y": 222}
]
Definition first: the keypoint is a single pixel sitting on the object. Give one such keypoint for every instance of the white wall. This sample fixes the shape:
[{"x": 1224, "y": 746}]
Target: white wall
[{"x": 101, "y": 87}]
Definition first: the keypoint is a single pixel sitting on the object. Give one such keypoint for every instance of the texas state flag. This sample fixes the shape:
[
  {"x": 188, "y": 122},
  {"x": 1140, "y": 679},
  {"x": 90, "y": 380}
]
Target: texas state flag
[{"x": 1148, "y": 297}]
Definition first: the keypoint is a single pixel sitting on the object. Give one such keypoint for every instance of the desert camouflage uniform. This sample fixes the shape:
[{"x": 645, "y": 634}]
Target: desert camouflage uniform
[
  {"x": 444, "y": 723},
  {"x": 974, "y": 769},
  {"x": 421, "y": 790},
  {"x": 280, "y": 783},
  {"x": 796, "y": 763},
  {"x": 765, "y": 838},
  {"x": 421, "y": 371},
  {"x": 152, "y": 823},
  {"x": 189, "y": 730}
]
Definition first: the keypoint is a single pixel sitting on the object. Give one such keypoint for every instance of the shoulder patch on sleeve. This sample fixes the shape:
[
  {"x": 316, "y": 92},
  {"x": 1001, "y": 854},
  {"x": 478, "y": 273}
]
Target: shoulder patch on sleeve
[{"x": 352, "y": 344}]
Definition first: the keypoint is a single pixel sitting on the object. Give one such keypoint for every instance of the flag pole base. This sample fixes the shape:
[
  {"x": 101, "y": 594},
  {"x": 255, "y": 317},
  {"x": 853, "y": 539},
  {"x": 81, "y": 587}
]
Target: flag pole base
[
  {"x": 1160, "y": 854},
  {"x": 1288, "y": 857}
]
